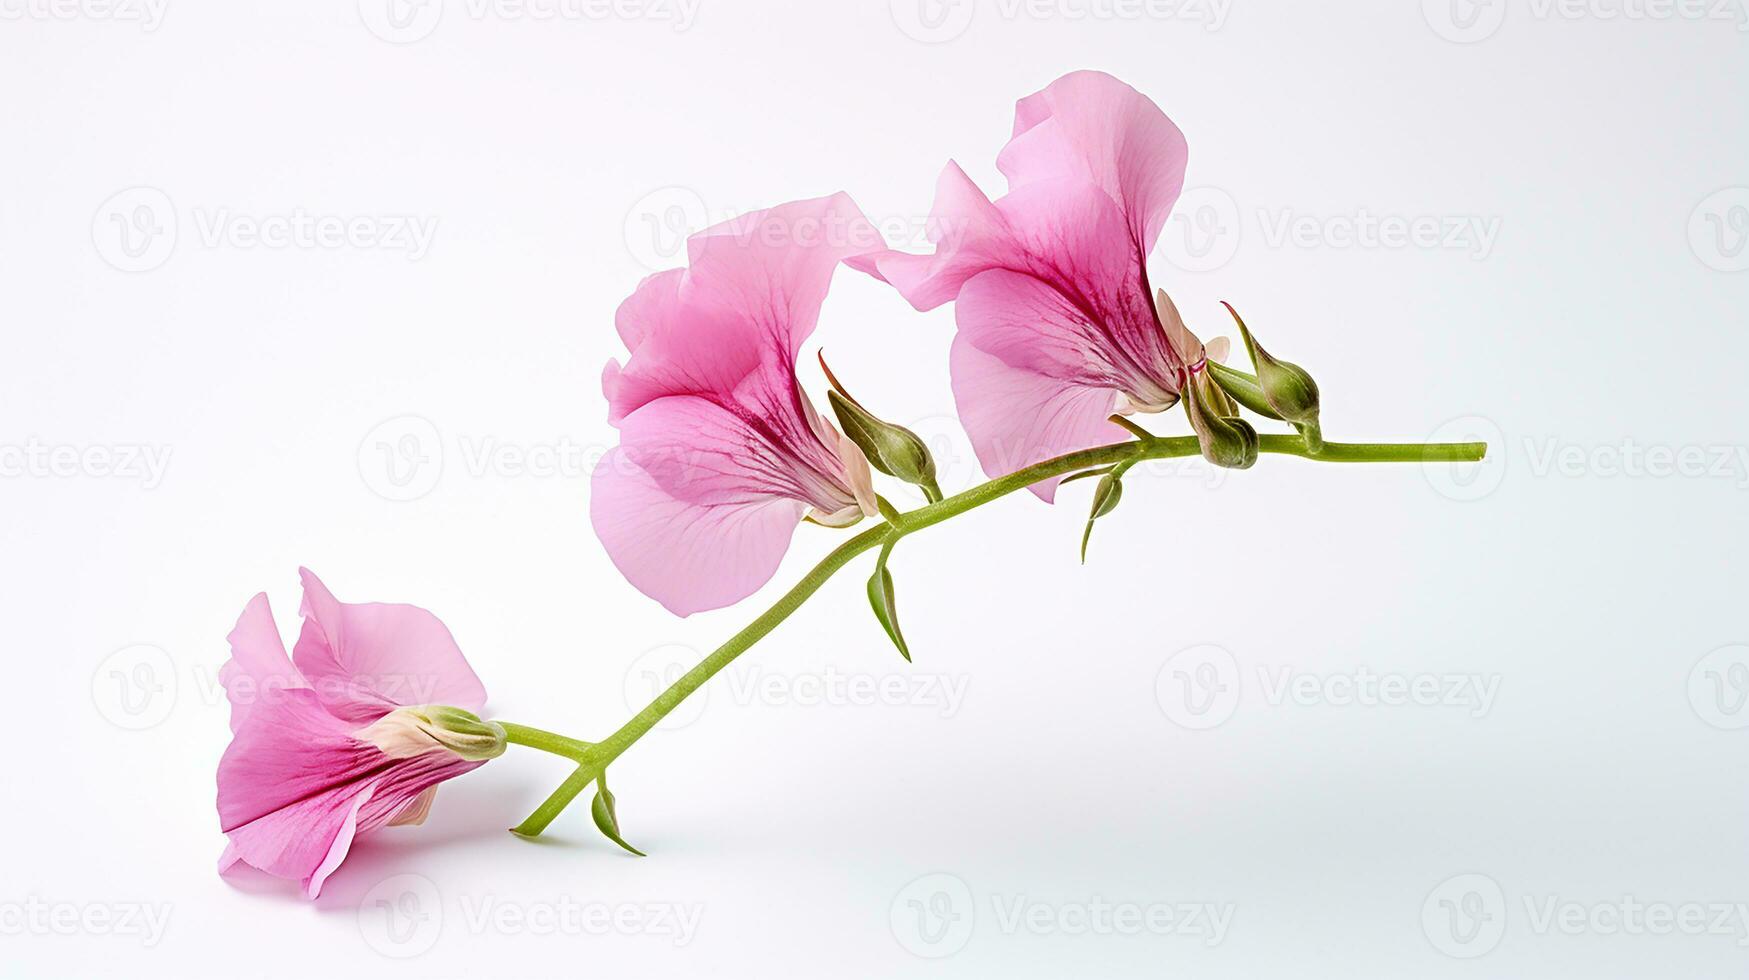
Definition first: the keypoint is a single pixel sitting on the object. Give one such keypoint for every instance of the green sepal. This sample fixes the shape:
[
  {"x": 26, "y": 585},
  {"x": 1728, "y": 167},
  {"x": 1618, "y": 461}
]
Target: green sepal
[
  {"x": 1243, "y": 388},
  {"x": 880, "y": 598},
  {"x": 892, "y": 449},
  {"x": 1287, "y": 387},
  {"x": 1105, "y": 499},
  {"x": 607, "y": 817},
  {"x": 1225, "y": 440}
]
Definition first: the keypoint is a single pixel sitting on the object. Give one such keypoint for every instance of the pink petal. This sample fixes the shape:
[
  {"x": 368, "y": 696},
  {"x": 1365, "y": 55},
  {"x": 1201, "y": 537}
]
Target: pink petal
[
  {"x": 295, "y": 787},
  {"x": 1088, "y": 125},
  {"x": 750, "y": 298},
  {"x": 774, "y": 266},
  {"x": 725, "y": 451},
  {"x": 1098, "y": 325},
  {"x": 646, "y": 307},
  {"x": 341, "y": 845},
  {"x": 365, "y": 659},
  {"x": 690, "y": 555},
  {"x": 416, "y": 810},
  {"x": 1073, "y": 267},
  {"x": 689, "y": 347},
  {"x": 1016, "y": 416},
  {"x": 969, "y": 235},
  {"x": 259, "y": 667}
]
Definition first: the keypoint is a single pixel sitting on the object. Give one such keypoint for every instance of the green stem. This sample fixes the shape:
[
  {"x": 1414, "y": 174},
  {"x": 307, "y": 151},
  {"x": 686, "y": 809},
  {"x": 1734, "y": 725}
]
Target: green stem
[
  {"x": 545, "y": 741},
  {"x": 594, "y": 760}
]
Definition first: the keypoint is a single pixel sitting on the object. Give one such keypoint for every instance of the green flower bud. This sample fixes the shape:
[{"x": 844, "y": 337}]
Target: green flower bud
[
  {"x": 1106, "y": 496},
  {"x": 1287, "y": 387},
  {"x": 892, "y": 449},
  {"x": 417, "y": 729},
  {"x": 1226, "y": 440}
]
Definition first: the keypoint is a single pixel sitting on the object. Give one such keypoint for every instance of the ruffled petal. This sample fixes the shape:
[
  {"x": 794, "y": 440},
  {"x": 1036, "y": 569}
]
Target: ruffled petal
[
  {"x": 750, "y": 298},
  {"x": 1016, "y": 416},
  {"x": 774, "y": 266},
  {"x": 259, "y": 667},
  {"x": 366, "y": 659},
  {"x": 705, "y": 552},
  {"x": 689, "y": 347},
  {"x": 645, "y": 309},
  {"x": 969, "y": 236},
  {"x": 1088, "y": 125}
]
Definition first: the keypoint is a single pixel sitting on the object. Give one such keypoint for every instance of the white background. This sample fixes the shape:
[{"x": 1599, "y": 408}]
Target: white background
[{"x": 1586, "y": 575}]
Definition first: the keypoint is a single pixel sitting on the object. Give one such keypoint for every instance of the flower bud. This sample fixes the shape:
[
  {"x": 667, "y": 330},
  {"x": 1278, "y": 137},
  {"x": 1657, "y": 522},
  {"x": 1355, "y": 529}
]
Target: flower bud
[
  {"x": 892, "y": 449},
  {"x": 1106, "y": 496},
  {"x": 417, "y": 729},
  {"x": 1287, "y": 387},
  {"x": 1226, "y": 440}
]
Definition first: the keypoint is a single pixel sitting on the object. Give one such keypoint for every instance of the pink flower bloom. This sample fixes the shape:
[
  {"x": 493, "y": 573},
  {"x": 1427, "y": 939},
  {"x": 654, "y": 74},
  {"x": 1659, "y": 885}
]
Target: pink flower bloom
[
  {"x": 1058, "y": 327},
  {"x": 353, "y": 732},
  {"x": 721, "y": 453}
]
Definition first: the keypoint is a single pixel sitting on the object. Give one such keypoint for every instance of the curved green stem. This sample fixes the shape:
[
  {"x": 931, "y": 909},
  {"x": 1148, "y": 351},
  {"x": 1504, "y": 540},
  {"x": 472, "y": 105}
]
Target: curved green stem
[{"x": 593, "y": 760}]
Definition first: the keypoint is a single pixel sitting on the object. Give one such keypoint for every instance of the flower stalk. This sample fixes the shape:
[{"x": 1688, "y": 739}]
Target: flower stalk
[{"x": 593, "y": 758}]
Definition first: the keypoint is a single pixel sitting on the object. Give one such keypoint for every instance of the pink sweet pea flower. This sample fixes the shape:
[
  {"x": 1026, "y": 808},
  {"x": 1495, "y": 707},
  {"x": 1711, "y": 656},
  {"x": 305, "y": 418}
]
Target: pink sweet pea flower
[
  {"x": 1058, "y": 327},
  {"x": 352, "y": 733},
  {"x": 721, "y": 453}
]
